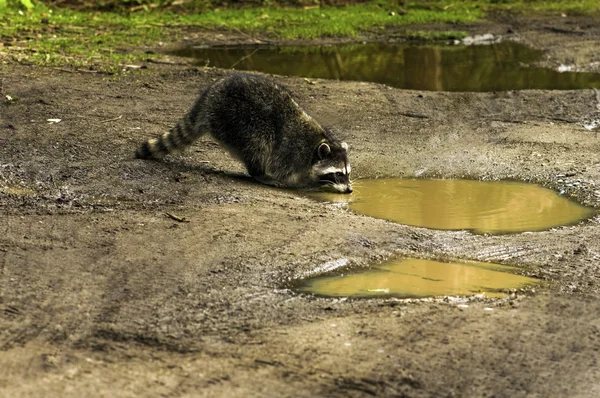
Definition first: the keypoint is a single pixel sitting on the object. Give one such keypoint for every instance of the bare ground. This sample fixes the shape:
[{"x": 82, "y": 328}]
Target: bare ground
[{"x": 103, "y": 294}]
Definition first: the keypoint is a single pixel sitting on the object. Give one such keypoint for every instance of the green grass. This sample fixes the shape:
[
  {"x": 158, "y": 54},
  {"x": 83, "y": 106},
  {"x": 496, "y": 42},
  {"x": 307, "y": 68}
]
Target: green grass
[
  {"x": 82, "y": 38},
  {"x": 286, "y": 23},
  {"x": 552, "y": 7},
  {"x": 422, "y": 35},
  {"x": 63, "y": 37}
]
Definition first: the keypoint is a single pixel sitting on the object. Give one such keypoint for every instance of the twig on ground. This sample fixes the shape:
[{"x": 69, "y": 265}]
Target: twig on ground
[
  {"x": 564, "y": 31},
  {"x": 111, "y": 120},
  {"x": 130, "y": 66},
  {"x": 176, "y": 218},
  {"x": 158, "y": 61},
  {"x": 243, "y": 58},
  {"x": 252, "y": 37},
  {"x": 270, "y": 363},
  {"x": 83, "y": 71},
  {"x": 560, "y": 119},
  {"x": 507, "y": 121},
  {"x": 415, "y": 115}
]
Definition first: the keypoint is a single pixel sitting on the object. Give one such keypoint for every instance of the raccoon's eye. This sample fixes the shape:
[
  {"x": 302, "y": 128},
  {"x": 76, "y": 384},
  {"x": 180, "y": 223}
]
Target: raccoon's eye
[{"x": 331, "y": 177}]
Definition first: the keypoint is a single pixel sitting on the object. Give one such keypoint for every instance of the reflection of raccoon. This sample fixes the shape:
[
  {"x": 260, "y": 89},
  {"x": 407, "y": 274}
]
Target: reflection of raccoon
[{"x": 259, "y": 122}]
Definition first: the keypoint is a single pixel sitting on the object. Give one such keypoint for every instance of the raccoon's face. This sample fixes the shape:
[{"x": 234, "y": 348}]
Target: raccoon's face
[{"x": 332, "y": 169}]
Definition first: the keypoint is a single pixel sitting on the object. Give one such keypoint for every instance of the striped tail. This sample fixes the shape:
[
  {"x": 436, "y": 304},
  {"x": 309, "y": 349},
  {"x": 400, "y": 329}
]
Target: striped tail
[{"x": 178, "y": 138}]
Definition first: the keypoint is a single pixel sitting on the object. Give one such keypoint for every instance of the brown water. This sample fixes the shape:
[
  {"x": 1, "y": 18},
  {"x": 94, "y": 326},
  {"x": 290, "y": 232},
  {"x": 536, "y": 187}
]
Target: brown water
[
  {"x": 496, "y": 67},
  {"x": 480, "y": 206},
  {"x": 412, "y": 278}
]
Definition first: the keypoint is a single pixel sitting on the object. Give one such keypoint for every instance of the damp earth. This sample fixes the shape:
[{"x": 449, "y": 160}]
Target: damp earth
[{"x": 121, "y": 277}]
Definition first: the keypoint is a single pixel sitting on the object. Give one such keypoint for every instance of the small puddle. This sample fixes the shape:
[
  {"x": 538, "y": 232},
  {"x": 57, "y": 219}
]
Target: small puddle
[
  {"x": 492, "y": 207},
  {"x": 416, "y": 278},
  {"x": 495, "y": 67}
]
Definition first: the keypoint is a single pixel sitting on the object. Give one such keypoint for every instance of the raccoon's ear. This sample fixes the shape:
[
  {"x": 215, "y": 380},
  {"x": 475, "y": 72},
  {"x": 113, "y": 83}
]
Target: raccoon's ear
[
  {"x": 344, "y": 146},
  {"x": 324, "y": 150}
]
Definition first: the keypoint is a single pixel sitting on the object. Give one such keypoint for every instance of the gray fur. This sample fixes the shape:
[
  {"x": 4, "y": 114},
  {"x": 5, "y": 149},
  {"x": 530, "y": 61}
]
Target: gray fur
[{"x": 260, "y": 123}]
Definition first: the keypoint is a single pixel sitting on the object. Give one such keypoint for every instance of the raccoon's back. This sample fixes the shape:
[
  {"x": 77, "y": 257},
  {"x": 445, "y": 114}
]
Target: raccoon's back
[{"x": 243, "y": 108}]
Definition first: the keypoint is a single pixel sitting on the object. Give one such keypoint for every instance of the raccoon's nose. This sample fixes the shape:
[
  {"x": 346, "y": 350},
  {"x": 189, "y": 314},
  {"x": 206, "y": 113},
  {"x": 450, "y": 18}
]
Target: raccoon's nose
[{"x": 349, "y": 189}]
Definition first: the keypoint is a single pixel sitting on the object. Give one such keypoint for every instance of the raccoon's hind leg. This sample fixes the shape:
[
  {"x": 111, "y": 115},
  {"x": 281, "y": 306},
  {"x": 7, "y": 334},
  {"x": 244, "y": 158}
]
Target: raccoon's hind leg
[
  {"x": 176, "y": 139},
  {"x": 259, "y": 174}
]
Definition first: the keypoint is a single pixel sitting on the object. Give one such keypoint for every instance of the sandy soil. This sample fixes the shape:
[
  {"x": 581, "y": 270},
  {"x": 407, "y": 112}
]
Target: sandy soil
[{"x": 103, "y": 294}]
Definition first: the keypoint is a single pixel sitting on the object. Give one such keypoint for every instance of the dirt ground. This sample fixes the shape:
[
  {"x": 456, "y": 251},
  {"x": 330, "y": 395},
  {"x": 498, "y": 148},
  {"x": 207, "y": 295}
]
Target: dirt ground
[{"x": 103, "y": 294}]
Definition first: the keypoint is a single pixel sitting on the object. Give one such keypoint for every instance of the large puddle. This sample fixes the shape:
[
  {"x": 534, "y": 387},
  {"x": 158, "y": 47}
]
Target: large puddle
[
  {"x": 496, "y": 67},
  {"x": 481, "y": 206},
  {"x": 415, "y": 278}
]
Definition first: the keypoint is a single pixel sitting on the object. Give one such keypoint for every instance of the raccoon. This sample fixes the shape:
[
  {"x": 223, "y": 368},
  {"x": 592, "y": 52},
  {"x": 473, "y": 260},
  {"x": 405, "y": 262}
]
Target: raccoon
[{"x": 259, "y": 122}]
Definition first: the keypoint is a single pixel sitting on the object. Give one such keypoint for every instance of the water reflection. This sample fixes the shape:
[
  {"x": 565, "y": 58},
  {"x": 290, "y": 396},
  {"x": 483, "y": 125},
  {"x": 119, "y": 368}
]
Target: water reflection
[
  {"x": 484, "y": 207},
  {"x": 501, "y": 66},
  {"x": 419, "y": 278}
]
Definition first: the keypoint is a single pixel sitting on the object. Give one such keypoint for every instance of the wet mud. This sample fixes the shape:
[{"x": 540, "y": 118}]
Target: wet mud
[{"x": 120, "y": 276}]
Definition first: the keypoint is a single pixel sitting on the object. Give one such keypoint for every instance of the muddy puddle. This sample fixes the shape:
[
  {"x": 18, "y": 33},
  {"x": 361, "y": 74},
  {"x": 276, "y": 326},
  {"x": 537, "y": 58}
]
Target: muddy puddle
[
  {"x": 492, "y": 207},
  {"x": 417, "y": 278},
  {"x": 495, "y": 67}
]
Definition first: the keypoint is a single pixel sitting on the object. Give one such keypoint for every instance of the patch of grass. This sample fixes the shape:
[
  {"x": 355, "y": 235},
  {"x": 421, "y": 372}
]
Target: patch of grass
[
  {"x": 554, "y": 7},
  {"x": 62, "y": 37},
  {"x": 294, "y": 23},
  {"x": 423, "y": 35}
]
